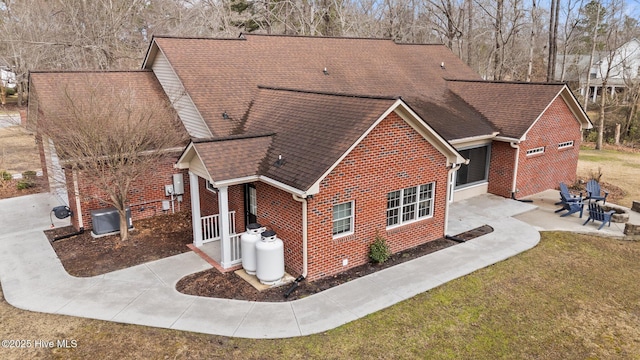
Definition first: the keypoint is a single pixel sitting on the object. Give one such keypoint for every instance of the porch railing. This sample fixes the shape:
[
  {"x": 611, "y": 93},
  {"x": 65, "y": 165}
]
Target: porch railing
[
  {"x": 236, "y": 254},
  {"x": 211, "y": 228}
]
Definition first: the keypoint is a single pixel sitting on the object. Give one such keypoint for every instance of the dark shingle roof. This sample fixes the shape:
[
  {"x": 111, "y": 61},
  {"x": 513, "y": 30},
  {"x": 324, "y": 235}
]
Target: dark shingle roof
[
  {"x": 511, "y": 107},
  {"x": 311, "y": 132},
  {"x": 141, "y": 86},
  {"x": 234, "y": 157},
  {"x": 223, "y": 75}
]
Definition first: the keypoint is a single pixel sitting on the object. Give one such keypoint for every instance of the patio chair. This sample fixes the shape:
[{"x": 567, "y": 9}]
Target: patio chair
[
  {"x": 568, "y": 196},
  {"x": 571, "y": 205},
  {"x": 594, "y": 192},
  {"x": 597, "y": 213}
]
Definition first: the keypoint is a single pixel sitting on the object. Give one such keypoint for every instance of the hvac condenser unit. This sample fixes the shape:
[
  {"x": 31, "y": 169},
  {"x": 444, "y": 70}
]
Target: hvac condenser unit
[{"x": 106, "y": 221}]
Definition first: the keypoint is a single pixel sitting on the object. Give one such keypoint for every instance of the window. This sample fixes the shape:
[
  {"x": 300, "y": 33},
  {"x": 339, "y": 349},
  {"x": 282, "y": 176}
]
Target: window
[
  {"x": 566, "y": 144},
  {"x": 538, "y": 150},
  {"x": 410, "y": 204},
  {"x": 478, "y": 168},
  {"x": 343, "y": 219}
]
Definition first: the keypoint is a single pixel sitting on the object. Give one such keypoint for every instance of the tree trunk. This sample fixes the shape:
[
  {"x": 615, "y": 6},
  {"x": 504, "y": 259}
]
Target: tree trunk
[
  {"x": 591, "y": 57},
  {"x": 532, "y": 40},
  {"x": 617, "y": 136},
  {"x": 601, "y": 119},
  {"x": 469, "y": 33},
  {"x": 497, "y": 59},
  {"x": 124, "y": 225},
  {"x": 552, "y": 40}
]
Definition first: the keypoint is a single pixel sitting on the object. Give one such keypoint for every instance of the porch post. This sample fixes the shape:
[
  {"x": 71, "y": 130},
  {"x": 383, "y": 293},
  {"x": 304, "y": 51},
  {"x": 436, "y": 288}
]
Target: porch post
[
  {"x": 225, "y": 239},
  {"x": 595, "y": 93},
  {"x": 195, "y": 209}
]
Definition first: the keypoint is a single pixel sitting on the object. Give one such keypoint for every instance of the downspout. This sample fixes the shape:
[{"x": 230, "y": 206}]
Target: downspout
[
  {"x": 304, "y": 246},
  {"x": 450, "y": 187},
  {"x": 514, "y": 190},
  {"x": 76, "y": 192},
  {"x": 516, "y": 146}
]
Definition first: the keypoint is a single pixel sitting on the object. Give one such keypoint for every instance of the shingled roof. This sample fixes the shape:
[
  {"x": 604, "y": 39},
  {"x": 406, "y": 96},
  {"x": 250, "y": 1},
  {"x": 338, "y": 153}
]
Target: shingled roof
[
  {"x": 49, "y": 89},
  {"x": 512, "y": 107},
  {"x": 293, "y": 137},
  {"x": 223, "y": 75}
]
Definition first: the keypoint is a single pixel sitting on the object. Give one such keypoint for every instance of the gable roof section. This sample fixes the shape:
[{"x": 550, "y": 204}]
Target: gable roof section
[
  {"x": 513, "y": 107},
  {"x": 232, "y": 158},
  {"x": 140, "y": 85},
  {"x": 312, "y": 133},
  {"x": 222, "y": 75}
]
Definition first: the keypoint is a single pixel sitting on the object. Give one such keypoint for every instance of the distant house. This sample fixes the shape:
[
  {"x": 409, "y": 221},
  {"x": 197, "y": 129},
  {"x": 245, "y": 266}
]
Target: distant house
[
  {"x": 621, "y": 65},
  {"x": 328, "y": 141},
  {"x": 7, "y": 77}
]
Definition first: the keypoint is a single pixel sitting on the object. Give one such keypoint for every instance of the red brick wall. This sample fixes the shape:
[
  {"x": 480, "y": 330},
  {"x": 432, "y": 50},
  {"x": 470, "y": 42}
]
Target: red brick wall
[
  {"x": 145, "y": 196},
  {"x": 544, "y": 171},
  {"x": 378, "y": 165},
  {"x": 209, "y": 202},
  {"x": 538, "y": 172},
  {"x": 208, "y": 199},
  {"x": 278, "y": 211},
  {"x": 501, "y": 168}
]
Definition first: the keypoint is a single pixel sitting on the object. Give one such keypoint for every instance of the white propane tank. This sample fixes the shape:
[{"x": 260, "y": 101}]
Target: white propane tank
[
  {"x": 270, "y": 258},
  {"x": 248, "y": 242}
]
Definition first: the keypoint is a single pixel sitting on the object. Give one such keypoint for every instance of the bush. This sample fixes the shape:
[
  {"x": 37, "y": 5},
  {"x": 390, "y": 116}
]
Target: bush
[
  {"x": 29, "y": 175},
  {"x": 379, "y": 250},
  {"x": 5, "y": 175},
  {"x": 25, "y": 184}
]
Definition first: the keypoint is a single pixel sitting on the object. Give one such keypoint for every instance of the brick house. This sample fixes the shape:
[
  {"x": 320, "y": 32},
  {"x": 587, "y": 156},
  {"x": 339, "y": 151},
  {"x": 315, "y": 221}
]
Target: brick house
[{"x": 329, "y": 141}]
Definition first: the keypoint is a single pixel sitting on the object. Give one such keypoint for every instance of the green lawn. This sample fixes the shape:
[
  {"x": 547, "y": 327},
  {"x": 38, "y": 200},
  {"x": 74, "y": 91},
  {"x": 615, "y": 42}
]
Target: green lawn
[{"x": 571, "y": 297}]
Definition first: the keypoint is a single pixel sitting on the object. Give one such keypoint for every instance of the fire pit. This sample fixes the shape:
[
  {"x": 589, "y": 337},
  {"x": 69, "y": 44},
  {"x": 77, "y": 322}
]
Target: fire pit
[{"x": 621, "y": 213}]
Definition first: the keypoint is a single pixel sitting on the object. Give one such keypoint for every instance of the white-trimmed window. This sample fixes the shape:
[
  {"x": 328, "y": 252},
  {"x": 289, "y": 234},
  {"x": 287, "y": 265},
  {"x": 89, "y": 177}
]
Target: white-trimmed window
[
  {"x": 534, "y": 151},
  {"x": 566, "y": 144},
  {"x": 343, "y": 219},
  {"x": 210, "y": 187},
  {"x": 410, "y": 204}
]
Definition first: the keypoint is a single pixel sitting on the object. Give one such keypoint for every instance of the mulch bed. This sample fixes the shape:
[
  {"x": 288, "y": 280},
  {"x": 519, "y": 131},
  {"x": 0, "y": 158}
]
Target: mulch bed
[
  {"x": 152, "y": 239},
  {"x": 212, "y": 283},
  {"x": 168, "y": 235},
  {"x": 615, "y": 193}
]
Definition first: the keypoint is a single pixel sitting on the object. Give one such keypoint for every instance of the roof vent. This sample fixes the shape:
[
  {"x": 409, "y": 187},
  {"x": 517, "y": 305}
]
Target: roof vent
[
  {"x": 442, "y": 65},
  {"x": 280, "y": 161},
  {"x": 325, "y": 71},
  {"x": 225, "y": 115}
]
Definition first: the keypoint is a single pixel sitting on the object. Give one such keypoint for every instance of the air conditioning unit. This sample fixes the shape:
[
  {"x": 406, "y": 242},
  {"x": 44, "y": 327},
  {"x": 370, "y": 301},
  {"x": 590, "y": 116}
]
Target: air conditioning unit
[{"x": 107, "y": 221}]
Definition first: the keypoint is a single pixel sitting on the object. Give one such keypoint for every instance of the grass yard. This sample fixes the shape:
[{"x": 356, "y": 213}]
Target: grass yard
[
  {"x": 18, "y": 150},
  {"x": 571, "y": 297},
  {"x": 619, "y": 168}
]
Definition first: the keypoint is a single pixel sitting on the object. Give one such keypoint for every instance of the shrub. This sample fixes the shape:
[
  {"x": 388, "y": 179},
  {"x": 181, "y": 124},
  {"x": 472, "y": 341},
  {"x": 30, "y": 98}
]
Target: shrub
[
  {"x": 379, "y": 250},
  {"x": 595, "y": 175},
  {"x": 29, "y": 175},
  {"x": 25, "y": 184},
  {"x": 5, "y": 175}
]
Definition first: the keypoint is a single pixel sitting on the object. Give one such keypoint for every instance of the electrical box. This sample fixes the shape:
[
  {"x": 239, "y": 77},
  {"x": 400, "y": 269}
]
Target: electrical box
[
  {"x": 168, "y": 190},
  {"x": 107, "y": 221},
  {"x": 178, "y": 184}
]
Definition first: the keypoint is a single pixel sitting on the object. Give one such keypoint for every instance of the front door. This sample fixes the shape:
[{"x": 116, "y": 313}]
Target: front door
[{"x": 250, "y": 204}]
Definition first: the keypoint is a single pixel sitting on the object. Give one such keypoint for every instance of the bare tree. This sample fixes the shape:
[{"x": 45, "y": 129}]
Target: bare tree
[{"x": 113, "y": 136}]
